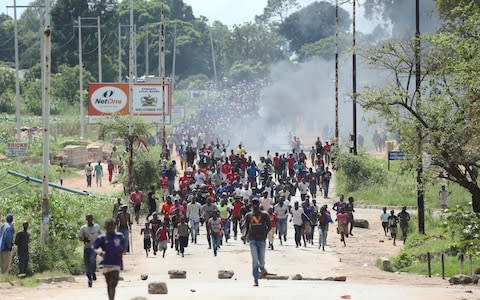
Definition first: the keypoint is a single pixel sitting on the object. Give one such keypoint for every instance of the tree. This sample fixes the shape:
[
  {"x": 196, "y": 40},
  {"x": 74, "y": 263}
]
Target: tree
[
  {"x": 448, "y": 115},
  {"x": 277, "y": 10},
  {"x": 400, "y": 15},
  {"x": 7, "y": 90},
  {"x": 312, "y": 23}
]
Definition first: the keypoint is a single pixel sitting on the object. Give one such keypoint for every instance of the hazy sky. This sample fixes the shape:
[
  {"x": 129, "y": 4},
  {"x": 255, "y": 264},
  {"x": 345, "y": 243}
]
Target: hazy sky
[{"x": 229, "y": 12}]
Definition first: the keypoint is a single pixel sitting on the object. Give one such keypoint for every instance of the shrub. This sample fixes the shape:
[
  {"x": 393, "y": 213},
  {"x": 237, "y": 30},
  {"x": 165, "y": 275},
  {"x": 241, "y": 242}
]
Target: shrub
[{"x": 359, "y": 171}]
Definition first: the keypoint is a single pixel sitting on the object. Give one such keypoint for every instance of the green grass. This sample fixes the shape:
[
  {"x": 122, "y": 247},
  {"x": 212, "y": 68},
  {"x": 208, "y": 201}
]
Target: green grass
[{"x": 399, "y": 188}]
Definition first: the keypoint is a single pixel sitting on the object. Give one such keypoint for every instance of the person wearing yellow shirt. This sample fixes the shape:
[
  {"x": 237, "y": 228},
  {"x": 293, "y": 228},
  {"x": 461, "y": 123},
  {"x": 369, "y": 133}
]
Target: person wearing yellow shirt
[
  {"x": 61, "y": 173},
  {"x": 241, "y": 150}
]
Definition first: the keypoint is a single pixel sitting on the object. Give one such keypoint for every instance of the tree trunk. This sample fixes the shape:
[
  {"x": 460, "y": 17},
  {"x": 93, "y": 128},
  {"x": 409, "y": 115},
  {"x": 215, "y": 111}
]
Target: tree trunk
[{"x": 476, "y": 200}]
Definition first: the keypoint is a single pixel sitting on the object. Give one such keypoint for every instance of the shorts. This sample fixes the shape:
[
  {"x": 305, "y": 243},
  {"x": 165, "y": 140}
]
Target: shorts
[
  {"x": 163, "y": 245},
  {"x": 393, "y": 230},
  {"x": 136, "y": 208},
  {"x": 147, "y": 243}
]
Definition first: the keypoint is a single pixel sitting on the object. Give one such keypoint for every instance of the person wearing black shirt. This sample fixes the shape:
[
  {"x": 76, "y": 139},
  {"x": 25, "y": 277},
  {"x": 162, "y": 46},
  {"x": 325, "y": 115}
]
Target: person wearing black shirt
[
  {"x": 257, "y": 226},
  {"x": 151, "y": 200}
]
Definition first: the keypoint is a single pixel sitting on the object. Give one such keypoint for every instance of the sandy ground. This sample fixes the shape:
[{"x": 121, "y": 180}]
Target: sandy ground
[
  {"x": 356, "y": 261},
  {"x": 80, "y": 182}
]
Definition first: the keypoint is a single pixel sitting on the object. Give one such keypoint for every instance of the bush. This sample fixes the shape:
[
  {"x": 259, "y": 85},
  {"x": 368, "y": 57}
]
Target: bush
[{"x": 358, "y": 171}]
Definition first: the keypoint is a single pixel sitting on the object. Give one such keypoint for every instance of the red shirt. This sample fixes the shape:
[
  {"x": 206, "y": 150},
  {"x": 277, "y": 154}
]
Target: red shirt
[
  {"x": 226, "y": 168},
  {"x": 184, "y": 180},
  {"x": 162, "y": 234},
  {"x": 136, "y": 198},
  {"x": 342, "y": 218},
  {"x": 276, "y": 161},
  {"x": 237, "y": 208},
  {"x": 164, "y": 183},
  {"x": 232, "y": 158},
  {"x": 166, "y": 210},
  {"x": 291, "y": 162},
  {"x": 273, "y": 219},
  {"x": 232, "y": 176},
  {"x": 326, "y": 148},
  {"x": 243, "y": 163}
]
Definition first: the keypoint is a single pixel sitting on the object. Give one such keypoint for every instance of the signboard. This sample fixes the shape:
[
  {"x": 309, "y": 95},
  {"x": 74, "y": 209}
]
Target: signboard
[
  {"x": 398, "y": 155},
  {"x": 178, "y": 112},
  {"x": 16, "y": 149},
  {"x": 107, "y": 99}
]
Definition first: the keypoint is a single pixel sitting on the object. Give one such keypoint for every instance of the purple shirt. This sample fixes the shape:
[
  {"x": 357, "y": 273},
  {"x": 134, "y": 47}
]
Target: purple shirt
[{"x": 112, "y": 245}]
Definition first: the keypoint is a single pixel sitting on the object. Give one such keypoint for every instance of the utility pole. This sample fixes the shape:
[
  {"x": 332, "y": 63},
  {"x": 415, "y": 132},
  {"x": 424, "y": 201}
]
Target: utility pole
[
  {"x": 336, "y": 72},
  {"x": 174, "y": 56},
  {"x": 354, "y": 80},
  {"x": 130, "y": 103},
  {"x": 213, "y": 58},
  {"x": 80, "y": 65},
  {"x": 162, "y": 76},
  {"x": 420, "y": 196},
  {"x": 99, "y": 45},
  {"x": 46, "y": 59},
  {"x": 17, "y": 78},
  {"x": 135, "y": 52},
  {"x": 119, "y": 52},
  {"x": 146, "y": 51}
]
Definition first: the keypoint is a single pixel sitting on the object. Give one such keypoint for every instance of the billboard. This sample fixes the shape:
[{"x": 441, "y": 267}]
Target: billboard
[{"x": 106, "y": 99}]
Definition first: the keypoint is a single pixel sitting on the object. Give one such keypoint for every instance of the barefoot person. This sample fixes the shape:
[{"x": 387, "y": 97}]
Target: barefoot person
[
  {"x": 384, "y": 219},
  {"x": 257, "y": 226},
  {"x": 147, "y": 238},
  {"x": 112, "y": 245},
  {"x": 392, "y": 225},
  {"x": 88, "y": 234}
]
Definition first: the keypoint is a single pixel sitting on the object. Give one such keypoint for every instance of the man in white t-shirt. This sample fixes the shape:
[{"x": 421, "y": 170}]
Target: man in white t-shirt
[
  {"x": 246, "y": 193},
  {"x": 282, "y": 210},
  {"x": 266, "y": 202},
  {"x": 88, "y": 234},
  {"x": 297, "y": 219},
  {"x": 303, "y": 188}
]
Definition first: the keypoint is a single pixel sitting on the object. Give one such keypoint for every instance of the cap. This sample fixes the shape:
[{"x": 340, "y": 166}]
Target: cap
[
  {"x": 224, "y": 194},
  {"x": 255, "y": 200}
]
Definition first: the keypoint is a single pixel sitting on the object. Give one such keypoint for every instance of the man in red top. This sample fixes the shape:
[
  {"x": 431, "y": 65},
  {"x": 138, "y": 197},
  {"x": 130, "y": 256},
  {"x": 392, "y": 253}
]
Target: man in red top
[
  {"x": 226, "y": 168},
  {"x": 184, "y": 181},
  {"x": 243, "y": 165},
  {"x": 327, "y": 150},
  {"x": 232, "y": 157},
  {"x": 290, "y": 164},
  {"x": 164, "y": 186},
  {"x": 273, "y": 224},
  {"x": 276, "y": 165},
  {"x": 136, "y": 199},
  {"x": 232, "y": 176},
  {"x": 236, "y": 213},
  {"x": 165, "y": 210}
]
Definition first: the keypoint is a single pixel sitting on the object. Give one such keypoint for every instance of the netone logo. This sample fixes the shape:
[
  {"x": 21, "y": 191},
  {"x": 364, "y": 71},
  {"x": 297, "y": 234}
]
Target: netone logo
[{"x": 109, "y": 99}]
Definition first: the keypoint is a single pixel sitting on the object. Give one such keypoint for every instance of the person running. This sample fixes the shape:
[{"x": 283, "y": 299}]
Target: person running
[
  {"x": 257, "y": 226},
  {"x": 297, "y": 219},
  {"x": 324, "y": 219},
  {"x": 88, "y": 234},
  {"x": 392, "y": 225},
  {"x": 208, "y": 210},
  {"x": 340, "y": 204},
  {"x": 124, "y": 226},
  {"x": 326, "y": 176},
  {"x": 155, "y": 224},
  {"x": 214, "y": 225},
  {"x": 273, "y": 225},
  {"x": 165, "y": 210},
  {"x": 282, "y": 210},
  {"x": 89, "y": 173},
  {"x": 61, "y": 173},
  {"x": 350, "y": 209},
  {"x": 224, "y": 213},
  {"x": 112, "y": 245},
  {"x": 110, "y": 169},
  {"x": 22, "y": 239},
  {"x": 98, "y": 174},
  {"x": 384, "y": 219},
  {"x": 404, "y": 218},
  {"x": 342, "y": 229},
  {"x": 162, "y": 237},
  {"x": 136, "y": 199},
  {"x": 237, "y": 205},
  {"x": 147, "y": 238},
  {"x": 194, "y": 210},
  {"x": 152, "y": 201},
  {"x": 443, "y": 197},
  {"x": 183, "y": 233}
]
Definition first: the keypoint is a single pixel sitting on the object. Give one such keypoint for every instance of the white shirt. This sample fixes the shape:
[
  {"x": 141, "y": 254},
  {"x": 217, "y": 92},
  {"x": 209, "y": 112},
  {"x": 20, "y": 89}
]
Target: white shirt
[
  {"x": 193, "y": 211},
  {"x": 281, "y": 211},
  {"x": 199, "y": 178},
  {"x": 246, "y": 194},
  {"x": 266, "y": 203},
  {"x": 89, "y": 232},
  {"x": 303, "y": 188},
  {"x": 297, "y": 216}
]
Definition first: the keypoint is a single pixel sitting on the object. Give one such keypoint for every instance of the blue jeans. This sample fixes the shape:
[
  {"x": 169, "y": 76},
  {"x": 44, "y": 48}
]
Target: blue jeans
[
  {"x": 282, "y": 227},
  {"x": 257, "y": 249},
  {"x": 298, "y": 234},
  {"x": 90, "y": 261},
  {"x": 126, "y": 237},
  {"x": 325, "y": 185},
  {"x": 322, "y": 240},
  {"x": 215, "y": 242}
]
